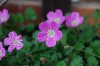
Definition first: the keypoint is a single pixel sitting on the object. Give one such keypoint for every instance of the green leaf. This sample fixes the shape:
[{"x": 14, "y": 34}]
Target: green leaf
[
  {"x": 30, "y": 14},
  {"x": 21, "y": 28},
  {"x": 45, "y": 55},
  {"x": 68, "y": 51},
  {"x": 87, "y": 35},
  {"x": 37, "y": 63},
  {"x": 12, "y": 19},
  {"x": 19, "y": 18},
  {"x": 64, "y": 37},
  {"x": 83, "y": 26},
  {"x": 72, "y": 37},
  {"x": 26, "y": 46},
  {"x": 34, "y": 36},
  {"x": 96, "y": 15},
  {"x": 61, "y": 63},
  {"x": 96, "y": 46},
  {"x": 79, "y": 45},
  {"x": 86, "y": 17},
  {"x": 88, "y": 51},
  {"x": 92, "y": 61},
  {"x": 77, "y": 61},
  {"x": 54, "y": 57},
  {"x": 97, "y": 51},
  {"x": 29, "y": 28},
  {"x": 97, "y": 25}
]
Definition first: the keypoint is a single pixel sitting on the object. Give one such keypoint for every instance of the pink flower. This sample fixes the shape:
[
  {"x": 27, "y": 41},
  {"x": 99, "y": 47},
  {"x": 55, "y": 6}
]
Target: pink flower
[
  {"x": 74, "y": 20},
  {"x": 56, "y": 16},
  {"x": 2, "y": 51},
  {"x": 4, "y": 16},
  {"x": 49, "y": 33},
  {"x": 13, "y": 41}
]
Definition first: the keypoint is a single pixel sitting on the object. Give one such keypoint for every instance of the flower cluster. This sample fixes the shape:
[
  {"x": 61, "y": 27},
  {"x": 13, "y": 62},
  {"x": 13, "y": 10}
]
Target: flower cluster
[
  {"x": 50, "y": 32},
  {"x": 13, "y": 41},
  {"x": 50, "y": 28}
]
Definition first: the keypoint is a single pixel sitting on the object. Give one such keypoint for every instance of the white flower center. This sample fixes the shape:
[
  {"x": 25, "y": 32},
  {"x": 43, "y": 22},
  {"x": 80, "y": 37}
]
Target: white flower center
[
  {"x": 0, "y": 53},
  {"x": 57, "y": 20},
  {"x": 16, "y": 42},
  {"x": 51, "y": 33},
  {"x": 3, "y": 19},
  {"x": 74, "y": 23}
]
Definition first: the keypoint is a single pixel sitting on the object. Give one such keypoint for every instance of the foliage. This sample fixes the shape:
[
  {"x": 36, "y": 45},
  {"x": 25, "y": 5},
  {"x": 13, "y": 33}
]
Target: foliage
[{"x": 79, "y": 46}]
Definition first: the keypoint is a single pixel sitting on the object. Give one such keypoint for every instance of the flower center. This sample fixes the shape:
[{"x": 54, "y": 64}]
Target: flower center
[
  {"x": 74, "y": 23},
  {"x": 57, "y": 20},
  {"x": 51, "y": 33},
  {"x": 16, "y": 42},
  {"x": 0, "y": 53},
  {"x": 3, "y": 19}
]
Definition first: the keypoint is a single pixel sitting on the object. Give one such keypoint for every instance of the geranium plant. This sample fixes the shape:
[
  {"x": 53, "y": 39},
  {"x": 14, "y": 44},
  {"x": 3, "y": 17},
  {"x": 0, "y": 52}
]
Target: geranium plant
[{"x": 61, "y": 40}]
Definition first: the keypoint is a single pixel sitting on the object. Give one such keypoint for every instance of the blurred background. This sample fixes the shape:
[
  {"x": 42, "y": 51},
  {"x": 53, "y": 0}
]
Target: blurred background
[{"x": 85, "y": 7}]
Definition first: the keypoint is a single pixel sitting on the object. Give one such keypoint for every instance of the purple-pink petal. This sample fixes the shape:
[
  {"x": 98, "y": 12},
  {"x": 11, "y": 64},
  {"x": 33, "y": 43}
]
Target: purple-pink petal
[
  {"x": 44, "y": 26},
  {"x": 75, "y": 15},
  {"x": 62, "y": 19},
  {"x": 5, "y": 11},
  {"x": 7, "y": 41},
  {"x": 58, "y": 12},
  {"x": 80, "y": 19},
  {"x": 50, "y": 42},
  {"x": 51, "y": 15},
  {"x": 5, "y": 14},
  {"x": 54, "y": 26},
  {"x": 19, "y": 38},
  {"x": 0, "y": 44},
  {"x": 69, "y": 18},
  {"x": 11, "y": 48},
  {"x": 0, "y": 58},
  {"x": 0, "y": 18},
  {"x": 58, "y": 35},
  {"x": 68, "y": 23},
  {"x": 19, "y": 46},
  {"x": 3, "y": 52},
  {"x": 12, "y": 34},
  {"x": 42, "y": 36}
]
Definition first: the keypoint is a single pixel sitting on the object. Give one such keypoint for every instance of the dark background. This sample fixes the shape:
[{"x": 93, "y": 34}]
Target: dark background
[{"x": 48, "y": 5}]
